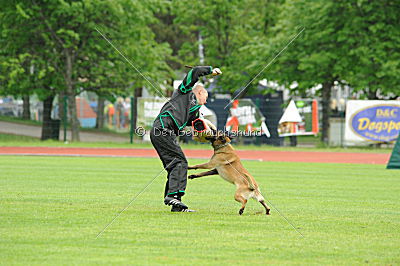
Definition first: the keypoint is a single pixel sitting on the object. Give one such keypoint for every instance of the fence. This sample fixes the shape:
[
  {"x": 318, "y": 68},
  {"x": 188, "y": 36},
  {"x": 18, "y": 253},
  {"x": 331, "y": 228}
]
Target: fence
[{"x": 117, "y": 116}]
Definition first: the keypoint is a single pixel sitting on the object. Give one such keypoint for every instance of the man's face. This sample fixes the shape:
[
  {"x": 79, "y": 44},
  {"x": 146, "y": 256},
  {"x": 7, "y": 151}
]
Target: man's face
[{"x": 202, "y": 96}]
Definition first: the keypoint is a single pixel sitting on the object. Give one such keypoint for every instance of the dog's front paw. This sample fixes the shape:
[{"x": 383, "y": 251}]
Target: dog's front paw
[
  {"x": 191, "y": 168},
  {"x": 192, "y": 176}
]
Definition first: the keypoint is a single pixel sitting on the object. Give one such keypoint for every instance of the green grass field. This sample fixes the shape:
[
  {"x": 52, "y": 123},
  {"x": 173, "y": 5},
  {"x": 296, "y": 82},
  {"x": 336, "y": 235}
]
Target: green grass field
[{"x": 52, "y": 208}]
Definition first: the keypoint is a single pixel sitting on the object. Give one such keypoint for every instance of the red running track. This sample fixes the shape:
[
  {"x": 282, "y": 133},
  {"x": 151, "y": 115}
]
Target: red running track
[{"x": 271, "y": 156}]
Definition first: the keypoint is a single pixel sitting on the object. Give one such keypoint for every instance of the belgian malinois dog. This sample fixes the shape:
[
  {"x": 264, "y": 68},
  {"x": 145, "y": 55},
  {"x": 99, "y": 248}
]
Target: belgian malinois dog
[{"x": 226, "y": 163}]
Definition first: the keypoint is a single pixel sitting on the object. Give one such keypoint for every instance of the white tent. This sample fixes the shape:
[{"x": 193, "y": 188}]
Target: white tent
[{"x": 291, "y": 114}]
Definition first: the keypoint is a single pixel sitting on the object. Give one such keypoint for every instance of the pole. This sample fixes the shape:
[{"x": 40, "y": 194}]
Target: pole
[
  {"x": 258, "y": 140},
  {"x": 65, "y": 118},
  {"x": 132, "y": 118},
  {"x": 342, "y": 121}
]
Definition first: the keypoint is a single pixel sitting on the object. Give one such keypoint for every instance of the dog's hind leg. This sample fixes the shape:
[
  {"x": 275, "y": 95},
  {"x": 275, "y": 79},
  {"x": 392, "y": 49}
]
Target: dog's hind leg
[
  {"x": 267, "y": 209},
  {"x": 211, "y": 172},
  {"x": 241, "y": 199},
  {"x": 261, "y": 200}
]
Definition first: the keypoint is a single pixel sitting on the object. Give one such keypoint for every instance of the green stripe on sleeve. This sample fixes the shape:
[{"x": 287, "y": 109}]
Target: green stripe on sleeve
[
  {"x": 194, "y": 108},
  {"x": 182, "y": 88},
  {"x": 167, "y": 113},
  {"x": 189, "y": 77}
]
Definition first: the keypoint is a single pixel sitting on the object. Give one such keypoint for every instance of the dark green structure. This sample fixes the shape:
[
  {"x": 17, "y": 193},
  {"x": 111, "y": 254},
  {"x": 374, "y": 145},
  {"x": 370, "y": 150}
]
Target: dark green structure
[{"x": 394, "y": 162}]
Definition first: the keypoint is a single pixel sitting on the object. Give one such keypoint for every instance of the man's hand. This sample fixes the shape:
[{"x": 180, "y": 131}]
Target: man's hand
[{"x": 216, "y": 71}]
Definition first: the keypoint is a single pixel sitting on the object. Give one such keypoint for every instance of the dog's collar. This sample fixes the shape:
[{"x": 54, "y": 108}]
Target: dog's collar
[{"x": 221, "y": 146}]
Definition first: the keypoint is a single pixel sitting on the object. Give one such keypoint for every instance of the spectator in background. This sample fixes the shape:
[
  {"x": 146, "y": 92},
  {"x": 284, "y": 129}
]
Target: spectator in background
[
  {"x": 127, "y": 111},
  {"x": 110, "y": 111},
  {"x": 119, "y": 116}
]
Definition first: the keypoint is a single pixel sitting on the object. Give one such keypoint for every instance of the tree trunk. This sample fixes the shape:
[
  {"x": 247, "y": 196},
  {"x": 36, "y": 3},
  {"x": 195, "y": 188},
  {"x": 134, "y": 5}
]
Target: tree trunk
[
  {"x": 26, "y": 107},
  {"x": 73, "y": 115},
  {"x": 71, "y": 97},
  {"x": 326, "y": 110},
  {"x": 61, "y": 105},
  {"x": 372, "y": 94},
  {"x": 47, "y": 125},
  {"x": 169, "y": 92},
  {"x": 100, "y": 112},
  {"x": 138, "y": 92}
]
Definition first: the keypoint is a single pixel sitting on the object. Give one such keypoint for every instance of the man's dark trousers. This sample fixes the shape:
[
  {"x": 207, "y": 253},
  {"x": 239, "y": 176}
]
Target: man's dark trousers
[{"x": 165, "y": 142}]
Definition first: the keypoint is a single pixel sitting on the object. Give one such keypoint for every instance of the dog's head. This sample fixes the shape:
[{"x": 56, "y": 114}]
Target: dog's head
[{"x": 219, "y": 138}]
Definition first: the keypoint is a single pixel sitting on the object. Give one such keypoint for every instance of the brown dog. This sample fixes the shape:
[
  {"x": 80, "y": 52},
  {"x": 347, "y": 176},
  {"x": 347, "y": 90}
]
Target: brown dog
[{"x": 226, "y": 163}]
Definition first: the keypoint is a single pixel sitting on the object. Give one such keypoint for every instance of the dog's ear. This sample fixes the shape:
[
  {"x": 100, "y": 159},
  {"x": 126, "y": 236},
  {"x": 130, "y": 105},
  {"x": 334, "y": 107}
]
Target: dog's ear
[
  {"x": 210, "y": 138},
  {"x": 222, "y": 138}
]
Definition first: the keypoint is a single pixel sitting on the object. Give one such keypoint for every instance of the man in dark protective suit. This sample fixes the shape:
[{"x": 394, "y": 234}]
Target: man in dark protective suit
[{"x": 179, "y": 111}]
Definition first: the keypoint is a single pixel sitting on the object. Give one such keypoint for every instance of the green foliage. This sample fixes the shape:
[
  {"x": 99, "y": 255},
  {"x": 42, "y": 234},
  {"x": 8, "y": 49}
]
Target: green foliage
[
  {"x": 370, "y": 35},
  {"x": 226, "y": 27},
  {"x": 53, "y": 28},
  {"x": 69, "y": 55},
  {"x": 351, "y": 42},
  {"x": 52, "y": 46},
  {"x": 311, "y": 58},
  {"x": 340, "y": 43}
]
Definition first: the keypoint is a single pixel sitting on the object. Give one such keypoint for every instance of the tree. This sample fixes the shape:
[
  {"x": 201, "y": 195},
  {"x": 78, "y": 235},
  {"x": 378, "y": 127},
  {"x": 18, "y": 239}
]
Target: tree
[
  {"x": 315, "y": 57},
  {"x": 370, "y": 36},
  {"x": 348, "y": 42},
  {"x": 16, "y": 65},
  {"x": 66, "y": 31},
  {"x": 25, "y": 66},
  {"x": 226, "y": 27}
]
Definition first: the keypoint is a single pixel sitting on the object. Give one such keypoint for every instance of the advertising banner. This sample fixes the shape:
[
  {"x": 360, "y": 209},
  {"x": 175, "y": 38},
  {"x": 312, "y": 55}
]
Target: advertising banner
[
  {"x": 148, "y": 108},
  {"x": 246, "y": 117},
  {"x": 372, "y": 121},
  {"x": 300, "y": 118},
  {"x": 147, "y": 111}
]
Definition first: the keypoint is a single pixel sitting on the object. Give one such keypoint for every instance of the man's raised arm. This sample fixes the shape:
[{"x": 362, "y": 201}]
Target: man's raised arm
[{"x": 193, "y": 76}]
